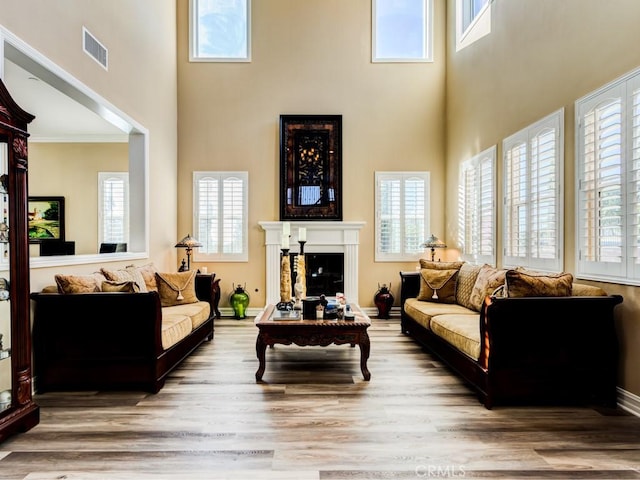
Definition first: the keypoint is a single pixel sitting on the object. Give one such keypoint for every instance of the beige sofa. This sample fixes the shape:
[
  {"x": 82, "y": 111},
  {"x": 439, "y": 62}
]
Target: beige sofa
[
  {"x": 515, "y": 336},
  {"x": 101, "y": 332}
]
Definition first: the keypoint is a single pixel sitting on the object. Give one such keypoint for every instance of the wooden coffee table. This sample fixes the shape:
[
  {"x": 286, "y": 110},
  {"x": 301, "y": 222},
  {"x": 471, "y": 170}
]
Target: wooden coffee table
[{"x": 312, "y": 332}]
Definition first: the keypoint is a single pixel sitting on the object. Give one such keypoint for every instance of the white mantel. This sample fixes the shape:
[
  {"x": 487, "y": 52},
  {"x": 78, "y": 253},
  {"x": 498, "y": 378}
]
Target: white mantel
[{"x": 322, "y": 237}]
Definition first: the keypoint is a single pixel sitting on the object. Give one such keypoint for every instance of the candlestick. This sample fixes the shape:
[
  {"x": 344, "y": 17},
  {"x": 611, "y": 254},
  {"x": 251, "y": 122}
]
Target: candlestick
[
  {"x": 285, "y": 242},
  {"x": 285, "y": 276},
  {"x": 302, "y": 234}
]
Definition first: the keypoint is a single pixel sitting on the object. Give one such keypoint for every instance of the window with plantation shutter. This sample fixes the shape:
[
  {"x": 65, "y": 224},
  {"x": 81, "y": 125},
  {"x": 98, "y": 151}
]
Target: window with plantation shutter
[
  {"x": 402, "y": 219},
  {"x": 113, "y": 207},
  {"x": 476, "y": 202},
  {"x": 532, "y": 213},
  {"x": 608, "y": 190},
  {"x": 220, "y": 210}
]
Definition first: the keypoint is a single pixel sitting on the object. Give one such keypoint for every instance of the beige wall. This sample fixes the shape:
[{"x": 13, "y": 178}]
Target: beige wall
[
  {"x": 541, "y": 56},
  {"x": 71, "y": 170},
  {"x": 314, "y": 57},
  {"x": 141, "y": 81}
]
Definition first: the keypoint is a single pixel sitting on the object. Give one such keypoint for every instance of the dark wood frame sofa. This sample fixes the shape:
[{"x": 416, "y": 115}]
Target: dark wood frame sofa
[
  {"x": 109, "y": 340},
  {"x": 534, "y": 350}
]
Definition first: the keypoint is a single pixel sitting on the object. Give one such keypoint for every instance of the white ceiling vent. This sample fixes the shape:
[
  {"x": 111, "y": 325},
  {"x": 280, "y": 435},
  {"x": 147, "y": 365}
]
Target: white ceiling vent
[{"x": 95, "y": 49}]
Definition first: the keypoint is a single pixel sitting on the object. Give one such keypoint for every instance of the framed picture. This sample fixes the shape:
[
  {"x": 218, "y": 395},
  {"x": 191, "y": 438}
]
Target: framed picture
[
  {"x": 46, "y": 219},
  {"x": 310, "y": 167}
]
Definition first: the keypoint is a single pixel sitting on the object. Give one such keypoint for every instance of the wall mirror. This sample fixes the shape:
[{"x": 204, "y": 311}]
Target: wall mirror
[{"x": 76, "y": 135}]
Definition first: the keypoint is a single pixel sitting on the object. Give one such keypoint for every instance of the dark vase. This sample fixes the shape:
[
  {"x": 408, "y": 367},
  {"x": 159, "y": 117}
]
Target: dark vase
[
  {"x": 383, "y": 300},
  {"x": 239, "y": 301}
]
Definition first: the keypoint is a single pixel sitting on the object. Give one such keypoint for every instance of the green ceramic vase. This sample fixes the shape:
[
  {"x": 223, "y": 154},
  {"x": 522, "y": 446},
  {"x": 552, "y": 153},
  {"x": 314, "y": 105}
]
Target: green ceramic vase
[{"x": 239, "y": 301}]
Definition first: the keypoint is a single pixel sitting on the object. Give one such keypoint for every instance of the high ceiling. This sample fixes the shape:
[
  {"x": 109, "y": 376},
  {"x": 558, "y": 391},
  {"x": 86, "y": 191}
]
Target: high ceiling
[{"x": 58, "y": 117}]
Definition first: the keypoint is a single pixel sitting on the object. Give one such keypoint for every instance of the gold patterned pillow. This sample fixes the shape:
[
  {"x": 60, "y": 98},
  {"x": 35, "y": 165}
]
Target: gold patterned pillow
[
  {"x": 126, "y": 286},
  {"x": 466, "y": 280},
  {"x": 177, "y": 288},
  {"x": 438, "y": 285},
  {"x": 424, "y": 263},
  {"x": 521, "y": 283},
  {"x": 489, "y": 278},
  {"x": 79, "y": 283}
]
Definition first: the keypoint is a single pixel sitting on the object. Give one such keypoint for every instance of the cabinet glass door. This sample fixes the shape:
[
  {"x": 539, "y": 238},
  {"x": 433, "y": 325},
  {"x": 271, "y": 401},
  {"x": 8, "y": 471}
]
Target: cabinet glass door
[{"x": 5, "y": 310}]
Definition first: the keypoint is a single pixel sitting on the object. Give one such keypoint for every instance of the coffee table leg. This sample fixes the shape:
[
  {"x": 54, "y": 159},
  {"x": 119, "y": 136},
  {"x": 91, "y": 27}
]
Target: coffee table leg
[
  {"x": 261, "y": 348},
  {"x": 365, "y": 346}
]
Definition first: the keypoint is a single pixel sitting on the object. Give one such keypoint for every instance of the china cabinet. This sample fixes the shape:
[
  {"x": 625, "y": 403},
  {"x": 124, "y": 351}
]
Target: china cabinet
[{"x": 18, "y": 412}]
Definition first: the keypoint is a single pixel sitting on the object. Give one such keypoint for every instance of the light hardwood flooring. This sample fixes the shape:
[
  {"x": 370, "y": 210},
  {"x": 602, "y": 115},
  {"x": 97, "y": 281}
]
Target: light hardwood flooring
[{"x": 315, "y": 418}]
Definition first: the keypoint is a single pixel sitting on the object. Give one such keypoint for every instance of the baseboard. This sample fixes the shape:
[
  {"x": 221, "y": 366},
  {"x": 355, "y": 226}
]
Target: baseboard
[{"x": 629, "y": 401}]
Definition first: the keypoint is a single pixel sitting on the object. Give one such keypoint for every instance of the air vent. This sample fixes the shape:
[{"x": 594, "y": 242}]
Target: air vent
[{"x": 95, "y": 49}]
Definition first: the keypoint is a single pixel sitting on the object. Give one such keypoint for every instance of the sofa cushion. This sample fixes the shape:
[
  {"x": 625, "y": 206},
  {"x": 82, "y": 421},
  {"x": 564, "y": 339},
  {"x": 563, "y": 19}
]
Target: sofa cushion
[
  {"x": 466, "y": 280},
  {"x": 79, "y": 283},
  {"x": 126, "y": 286},
  {"x": 175, "y": 327},
  {"x": 582, "y": 290},
  {"x": 176, "y": 288},
  {"x": 460, "y": 330},
  {"x": 422, "y": 312},
  {"x": 489, "y": 278},
  {"x": 124, "y": 275},
  {"x": 438, "y": 281},
  {"x": 198, "y": 312},
  {"x": 525, "y": 283}
]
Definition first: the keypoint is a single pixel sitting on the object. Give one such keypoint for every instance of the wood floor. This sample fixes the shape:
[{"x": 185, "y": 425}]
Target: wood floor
[{"x": 314, "y": 417}]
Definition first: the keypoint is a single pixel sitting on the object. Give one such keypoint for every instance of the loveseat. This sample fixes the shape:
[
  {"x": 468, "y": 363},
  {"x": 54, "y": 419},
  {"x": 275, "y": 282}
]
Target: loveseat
[
  {"x": 515, "y": 336},
  {"x": 124, "y": 330}
]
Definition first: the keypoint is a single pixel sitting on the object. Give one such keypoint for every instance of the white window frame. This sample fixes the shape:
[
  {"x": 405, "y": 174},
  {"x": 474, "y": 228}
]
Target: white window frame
[
  {"x": 595, "y": 265},
  {"x": 469, "y": 27},
  {"x": 427, "y": 35},
  {"x": 401, "y": 254},
  {"x": 200, "y": 254},
  {"x": 195, "y": 28},
  {"x": 531, "y": 201},
  {"x": 477, "y": 208},
  {"x": 103, "y": 178}
]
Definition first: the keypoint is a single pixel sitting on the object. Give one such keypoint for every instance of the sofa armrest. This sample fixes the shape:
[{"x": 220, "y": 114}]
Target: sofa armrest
[
  {"x": 548, "y": 332},
  {"x": 409, "y": 286},
  {"x": 101, "y": 325}
]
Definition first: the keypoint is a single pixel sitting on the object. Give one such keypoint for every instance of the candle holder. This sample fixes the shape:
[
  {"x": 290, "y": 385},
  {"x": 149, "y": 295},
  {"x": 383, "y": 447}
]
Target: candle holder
[
  {"x": 285, "y": 277},
  {"x": 301, "y": 276},
  {"x": 301, "y": 242}
]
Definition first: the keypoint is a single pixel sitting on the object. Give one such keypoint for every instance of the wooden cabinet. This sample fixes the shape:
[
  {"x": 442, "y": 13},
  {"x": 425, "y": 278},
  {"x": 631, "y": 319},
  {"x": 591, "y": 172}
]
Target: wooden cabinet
[{"x": 18, "y": 412}]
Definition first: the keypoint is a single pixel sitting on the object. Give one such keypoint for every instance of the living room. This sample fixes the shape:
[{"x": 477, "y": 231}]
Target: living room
[{"x": 314, "y": 57}]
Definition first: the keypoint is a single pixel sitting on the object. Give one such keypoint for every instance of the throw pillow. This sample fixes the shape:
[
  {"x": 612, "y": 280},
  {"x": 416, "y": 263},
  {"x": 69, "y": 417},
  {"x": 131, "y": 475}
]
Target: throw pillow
[
  {"x": 438, "y": 285},
  {"x": 440, "y": 265},
  {"x": 177, "y": 288},
  {"x": 129, "y": 274},
  {"x": 79, "y": 283},
  {"x": 126, "y": 286},
  {"x": 520, "y": 283},
  {"x": 489, "y": 279},
  {"x": 148, "y": 273},
  {"x": 466, "y": 280}
]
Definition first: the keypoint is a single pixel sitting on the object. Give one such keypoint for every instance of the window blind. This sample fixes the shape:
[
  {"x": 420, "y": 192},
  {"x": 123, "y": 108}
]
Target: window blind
[
  {"x": 401, "y": 214},
  {"x": 532, "y": 198},
  {"x": 221, "y": 206},
  {"x": 477, "y": 208},
  {"x": 113, "y": 207}
]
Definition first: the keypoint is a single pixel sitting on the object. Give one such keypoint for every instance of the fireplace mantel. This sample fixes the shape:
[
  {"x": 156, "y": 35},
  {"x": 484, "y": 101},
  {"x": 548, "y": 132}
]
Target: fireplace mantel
[{"x": 322, "y": 237}]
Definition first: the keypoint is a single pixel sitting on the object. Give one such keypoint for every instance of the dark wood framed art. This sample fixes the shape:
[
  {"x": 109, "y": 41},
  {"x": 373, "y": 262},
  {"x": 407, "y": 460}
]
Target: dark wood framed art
[
  {"x": 46, "y": 219},
  {"x": 310, "y": 167}
]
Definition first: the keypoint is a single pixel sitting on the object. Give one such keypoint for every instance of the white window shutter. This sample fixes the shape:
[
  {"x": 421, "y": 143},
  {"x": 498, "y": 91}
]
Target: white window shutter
[{"x": 113, "y": 206}]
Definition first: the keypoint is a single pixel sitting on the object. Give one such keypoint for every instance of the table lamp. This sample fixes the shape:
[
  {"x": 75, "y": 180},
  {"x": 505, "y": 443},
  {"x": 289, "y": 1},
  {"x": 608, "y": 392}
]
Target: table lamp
[
  {"x": 189, "y": 243},
  {"x": 433, "y": 242}
]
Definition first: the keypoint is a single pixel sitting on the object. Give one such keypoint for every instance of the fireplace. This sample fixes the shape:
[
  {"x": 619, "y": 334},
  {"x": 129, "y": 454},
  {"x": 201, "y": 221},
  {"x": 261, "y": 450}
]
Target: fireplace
[
  {"x": 322, "y": 237},
  {"x": 324, "y": 273}
]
